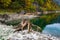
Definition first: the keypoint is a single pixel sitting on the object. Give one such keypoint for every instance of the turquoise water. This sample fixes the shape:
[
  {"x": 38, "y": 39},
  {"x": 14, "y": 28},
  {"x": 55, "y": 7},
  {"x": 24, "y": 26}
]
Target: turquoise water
[{"x": 53, "y": 29}]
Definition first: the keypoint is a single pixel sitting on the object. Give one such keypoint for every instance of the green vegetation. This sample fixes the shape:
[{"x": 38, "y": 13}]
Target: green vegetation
[
  {"x": 27, "y": 5},
  {"x": 41, "y": 21},
  {"x": 45, "y": 20}
]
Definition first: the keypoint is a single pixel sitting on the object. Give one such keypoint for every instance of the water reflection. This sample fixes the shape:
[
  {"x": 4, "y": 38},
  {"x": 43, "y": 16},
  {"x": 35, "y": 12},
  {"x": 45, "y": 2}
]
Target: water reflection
[{"x": 53, "y": 29}]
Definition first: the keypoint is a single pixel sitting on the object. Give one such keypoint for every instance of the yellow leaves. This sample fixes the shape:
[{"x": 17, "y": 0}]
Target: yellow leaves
[
  {"x": 42, "y": 8},
  {"x": 41, "y": 2},
  {"x": 28, "y": 4},
  {"x": 5, "y": 2},
  {"x": 50, "y": 5},
  {"x": 43, "y": 5}
]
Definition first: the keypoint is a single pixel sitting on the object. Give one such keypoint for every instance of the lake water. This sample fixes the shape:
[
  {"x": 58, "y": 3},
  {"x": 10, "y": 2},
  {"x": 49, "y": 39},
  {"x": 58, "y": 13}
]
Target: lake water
[{"x": 53, "y": 29}]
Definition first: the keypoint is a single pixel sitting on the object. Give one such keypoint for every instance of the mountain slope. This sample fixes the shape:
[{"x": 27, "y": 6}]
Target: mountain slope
[
  {"x": 57, "y": 1},
  {"x": 48, "y": 5},
  {"x": 28, "y": 5}
]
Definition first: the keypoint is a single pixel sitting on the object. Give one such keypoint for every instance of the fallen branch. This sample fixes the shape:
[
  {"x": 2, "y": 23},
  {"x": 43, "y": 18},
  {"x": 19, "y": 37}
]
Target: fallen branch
[{"x": 38, "y": 27}]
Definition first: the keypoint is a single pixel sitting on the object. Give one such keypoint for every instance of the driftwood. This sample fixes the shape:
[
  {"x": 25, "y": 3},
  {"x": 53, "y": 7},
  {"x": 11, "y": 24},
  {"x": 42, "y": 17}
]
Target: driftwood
[
  {"x": 21, "y": 27},
  {"x": 38, "y": 28},
  {"x": 18, "y": 28},
  {"x": 29, "y": 27}
]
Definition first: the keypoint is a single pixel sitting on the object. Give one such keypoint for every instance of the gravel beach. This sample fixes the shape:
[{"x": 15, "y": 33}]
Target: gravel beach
[{"x": 7, "y": 33}]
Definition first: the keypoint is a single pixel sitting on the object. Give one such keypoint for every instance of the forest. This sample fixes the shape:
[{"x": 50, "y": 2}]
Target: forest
[{"x": 28, "y": 5}]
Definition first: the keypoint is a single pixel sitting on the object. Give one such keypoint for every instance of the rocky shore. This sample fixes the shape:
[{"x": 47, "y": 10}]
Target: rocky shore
[
  {"x": 7, "y": 33},
  {"x": 24, "y": 35},
  {"x": 10, "y": 17}
]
